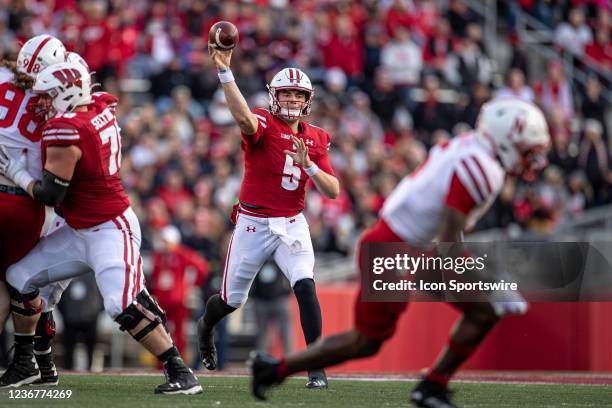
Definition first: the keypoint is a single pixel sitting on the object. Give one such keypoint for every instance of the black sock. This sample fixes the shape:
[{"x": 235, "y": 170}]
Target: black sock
[
  {"x": 168, "y": 354},
  {"x": 216, "y": 309},
  {"x": 45, "y": 331},
  {"x": 310, "y": 311},
  {"x": 22, "y": 339}
]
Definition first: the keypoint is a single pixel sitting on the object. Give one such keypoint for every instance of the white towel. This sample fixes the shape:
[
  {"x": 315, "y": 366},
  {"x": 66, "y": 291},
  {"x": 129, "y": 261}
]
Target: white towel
[{"x": 278, "y": 227}]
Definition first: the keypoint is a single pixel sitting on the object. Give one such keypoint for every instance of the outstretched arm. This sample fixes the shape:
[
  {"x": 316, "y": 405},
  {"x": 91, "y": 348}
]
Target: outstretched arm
[{"x": 235, "y": 101}]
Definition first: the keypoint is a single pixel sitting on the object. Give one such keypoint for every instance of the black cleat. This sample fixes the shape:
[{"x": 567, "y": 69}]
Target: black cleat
[
  {"x": 48, "y": 373},
  {"x": 208, "y": 351},
  {"x": 179, "y": 379},
  {"x": 23, "y": 370},
  {"x": 263, "y": 370},
  {"x": 431, "y": 395},
  {"x": 317, "y": 380}
]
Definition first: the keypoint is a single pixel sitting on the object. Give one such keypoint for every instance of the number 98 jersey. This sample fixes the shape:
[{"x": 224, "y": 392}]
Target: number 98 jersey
[
  {"x": 273, "y": 182},
  {"x": 19, "y": 130},
  {"x": 95, "y": 194}
]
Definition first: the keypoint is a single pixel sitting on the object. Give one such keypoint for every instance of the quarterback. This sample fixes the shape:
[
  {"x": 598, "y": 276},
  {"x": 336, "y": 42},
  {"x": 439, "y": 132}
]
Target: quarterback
[{"x": 281, "y": 153}]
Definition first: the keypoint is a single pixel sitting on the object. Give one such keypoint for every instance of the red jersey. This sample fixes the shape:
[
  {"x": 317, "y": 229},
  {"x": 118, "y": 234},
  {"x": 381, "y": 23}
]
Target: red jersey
[
  {"x": 95, "y": 194},
  {"x": 273, "y": 182}
]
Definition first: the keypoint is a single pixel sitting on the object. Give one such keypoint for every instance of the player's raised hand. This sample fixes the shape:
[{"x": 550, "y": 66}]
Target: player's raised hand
[
  {"x": 300, "y": 156},
  {"x": 221, "y": 58}
]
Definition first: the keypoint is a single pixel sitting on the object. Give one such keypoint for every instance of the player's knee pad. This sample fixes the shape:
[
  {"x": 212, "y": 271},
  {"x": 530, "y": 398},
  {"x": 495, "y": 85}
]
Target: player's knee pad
[
  {"x": 144, "y": 308},
  {"x": 23, "y": 303}
]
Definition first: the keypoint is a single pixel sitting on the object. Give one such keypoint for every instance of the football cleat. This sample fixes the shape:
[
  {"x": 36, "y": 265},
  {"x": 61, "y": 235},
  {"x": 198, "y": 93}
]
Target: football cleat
[
  {"x": 263, "y": 370},
  {"x": 431, "y": 395},
  {"x": 179, "y": 379},
  {"x": 23, "y": 370},
  {"x": 208, "y": 351},
  {"x": 48, "y": 372},
  {"x": 317, "y": 380}
]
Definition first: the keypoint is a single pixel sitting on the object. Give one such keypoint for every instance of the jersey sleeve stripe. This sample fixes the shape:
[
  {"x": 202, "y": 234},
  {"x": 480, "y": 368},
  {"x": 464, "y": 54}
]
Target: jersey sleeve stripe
[
  {"x": 473, "y": 186},
  {"x": 263, "y": 124},
  {"x": 260, "y": 117},
  {"x": 61, "y": 137},
  {"x": 59, "y": 130},
  {"x": 483, "y": 174}
]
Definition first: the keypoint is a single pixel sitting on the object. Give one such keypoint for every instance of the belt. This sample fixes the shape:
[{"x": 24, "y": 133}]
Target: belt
[{"x": 13, "y": 190}]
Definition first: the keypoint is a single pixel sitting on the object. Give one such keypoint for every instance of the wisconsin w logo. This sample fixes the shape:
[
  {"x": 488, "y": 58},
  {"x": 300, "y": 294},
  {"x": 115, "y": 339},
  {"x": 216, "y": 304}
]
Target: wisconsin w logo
[{"x": 68, "y": 77}]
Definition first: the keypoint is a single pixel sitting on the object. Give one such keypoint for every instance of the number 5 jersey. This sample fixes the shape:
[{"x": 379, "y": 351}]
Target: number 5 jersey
[{"x": 273, "y": 183}]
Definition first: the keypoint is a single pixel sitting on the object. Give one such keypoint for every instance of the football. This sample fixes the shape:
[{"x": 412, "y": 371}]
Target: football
[{"x": 223, "y": 35}]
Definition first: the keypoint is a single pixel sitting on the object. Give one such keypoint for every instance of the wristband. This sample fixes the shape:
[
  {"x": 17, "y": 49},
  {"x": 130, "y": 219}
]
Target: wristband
[
  {"x": 226, "y": 76},
  {"x": 23, "y": 179},
  {"x": 312, "y": 170}
]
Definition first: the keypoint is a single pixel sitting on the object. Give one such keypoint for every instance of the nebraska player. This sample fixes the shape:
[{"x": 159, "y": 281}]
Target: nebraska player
[
  {"x": 21, "y": 217},
  {"x": 81, "y": 156},
  {"x": 281, "y": 153},
  {"x": 453, "y": 188}
]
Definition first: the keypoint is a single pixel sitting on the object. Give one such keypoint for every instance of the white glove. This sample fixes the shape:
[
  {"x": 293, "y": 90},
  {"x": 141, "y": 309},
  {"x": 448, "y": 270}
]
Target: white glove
[
  {"x": 15, "y": 169},
  {"x": 508, "y": 302}
]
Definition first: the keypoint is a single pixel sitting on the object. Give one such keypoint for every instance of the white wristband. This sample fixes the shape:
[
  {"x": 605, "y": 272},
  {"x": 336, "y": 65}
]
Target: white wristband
[
  {"x": 23, "y": 179},
  {"x": 312, "y": 170},
  {"x": 226, "y": 76}
]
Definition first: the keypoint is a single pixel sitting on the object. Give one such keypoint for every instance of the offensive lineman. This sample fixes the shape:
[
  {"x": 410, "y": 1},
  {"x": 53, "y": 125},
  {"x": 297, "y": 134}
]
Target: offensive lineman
[
  {"x": 454, "y": 187},
  {"x": 21, "y": 217},
  {"x": 81, "y": 156},
  {"x": 281, "y": 153}
]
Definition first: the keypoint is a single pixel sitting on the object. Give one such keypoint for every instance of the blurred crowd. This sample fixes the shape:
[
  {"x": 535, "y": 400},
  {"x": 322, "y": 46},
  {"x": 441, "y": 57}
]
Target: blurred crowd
[{"x": 392, "y": 78}]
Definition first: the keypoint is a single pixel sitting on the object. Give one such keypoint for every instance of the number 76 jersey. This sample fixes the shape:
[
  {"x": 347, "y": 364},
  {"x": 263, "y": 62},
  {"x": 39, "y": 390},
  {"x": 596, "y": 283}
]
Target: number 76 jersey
[{"x": 95, "y": 194}]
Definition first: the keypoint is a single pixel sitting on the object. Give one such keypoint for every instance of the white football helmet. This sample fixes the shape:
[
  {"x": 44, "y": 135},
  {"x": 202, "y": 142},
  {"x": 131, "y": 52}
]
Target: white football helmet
[
  {"x": 75, "y": 58},
  {"x": 67, "y": 84},
  {"x": 290, "y": 78},
  {"x": 518, "y": 133},
  {"x": 38, "y": 53}
]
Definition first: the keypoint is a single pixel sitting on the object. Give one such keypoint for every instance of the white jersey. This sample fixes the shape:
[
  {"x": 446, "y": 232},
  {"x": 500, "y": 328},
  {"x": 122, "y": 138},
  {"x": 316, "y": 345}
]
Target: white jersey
[
  {"x": 414, "y": 209},
  {"x": 18, "y": 130}
]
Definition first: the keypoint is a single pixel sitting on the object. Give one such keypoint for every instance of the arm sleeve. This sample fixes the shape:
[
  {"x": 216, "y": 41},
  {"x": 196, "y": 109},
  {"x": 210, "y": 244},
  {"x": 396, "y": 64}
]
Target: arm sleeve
[{"x": 458, "y": 197}]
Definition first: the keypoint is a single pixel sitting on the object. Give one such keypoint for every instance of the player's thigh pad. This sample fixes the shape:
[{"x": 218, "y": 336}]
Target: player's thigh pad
[
  {"x": 114, "y": 255},
  {"x": 48, "y": 260},
  {"x": 296, "y": 264},
  {"x": 250, "y": 246}
]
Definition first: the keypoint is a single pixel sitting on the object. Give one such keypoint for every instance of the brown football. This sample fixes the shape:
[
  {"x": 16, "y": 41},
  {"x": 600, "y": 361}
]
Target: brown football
[{"x": 223, "y": 35}]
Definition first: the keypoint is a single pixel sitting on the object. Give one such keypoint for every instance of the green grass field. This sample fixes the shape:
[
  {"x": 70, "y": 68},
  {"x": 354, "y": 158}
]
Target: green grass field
[{"x": 101, "y": 391}]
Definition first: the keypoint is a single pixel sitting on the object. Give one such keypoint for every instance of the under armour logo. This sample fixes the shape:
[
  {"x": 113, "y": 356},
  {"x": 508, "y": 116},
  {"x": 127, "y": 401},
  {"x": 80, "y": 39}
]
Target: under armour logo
[
  {"x": 309, "y": 142},
  {"x": 285, "y": 136},
  {"x": 291, "y": 221},
  {"x": 250, "y": 228}
]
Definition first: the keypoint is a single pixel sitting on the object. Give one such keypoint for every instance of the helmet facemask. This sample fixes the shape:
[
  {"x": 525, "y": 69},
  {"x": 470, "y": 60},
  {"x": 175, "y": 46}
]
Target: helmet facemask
[{"x": 291, "y": 114}]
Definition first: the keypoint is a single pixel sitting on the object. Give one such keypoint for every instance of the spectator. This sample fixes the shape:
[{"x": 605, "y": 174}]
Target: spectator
[
  {"x": 555, "y": 91},
  {"x": 516, "y": 86},
  {"x": 177, "y": 270},
  {"x": 270, "y": 295},
  {"x": 431, "y": 114},
  {"x": 402, "y": 60},
  {"x": 80, "y": 307},
  {"x": 573, "y": 35},
  {"x": 593, "y": 158}
]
